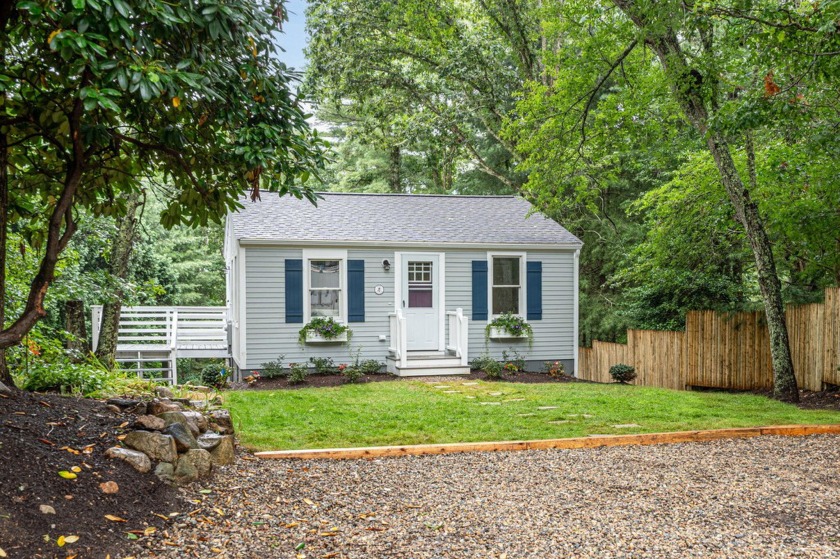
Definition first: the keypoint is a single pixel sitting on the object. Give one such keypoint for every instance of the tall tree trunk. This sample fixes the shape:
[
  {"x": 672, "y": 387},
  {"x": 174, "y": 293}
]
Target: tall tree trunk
[
  {"x": 76, "y": 325},
  {"x": 687, "y": 85},
  {"x": 106, "y": 350},
  {"x": 395, "y": 169},
  {"x": 5, "y": 376}
]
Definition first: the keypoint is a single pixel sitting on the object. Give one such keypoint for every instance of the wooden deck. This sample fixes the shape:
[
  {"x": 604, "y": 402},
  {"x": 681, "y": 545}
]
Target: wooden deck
[{"x": 154, "y": 338}]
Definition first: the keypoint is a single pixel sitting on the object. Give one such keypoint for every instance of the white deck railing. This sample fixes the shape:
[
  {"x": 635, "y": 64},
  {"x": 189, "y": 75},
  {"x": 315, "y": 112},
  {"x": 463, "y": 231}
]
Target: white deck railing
[
  {"x": 157, "y": 334},
  {"x": 399, "y": 343},
  {"x": 458, "y": 335}
]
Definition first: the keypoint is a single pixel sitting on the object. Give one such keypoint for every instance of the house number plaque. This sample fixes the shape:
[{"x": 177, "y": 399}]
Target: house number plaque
[{"x": 379, "y": 290}]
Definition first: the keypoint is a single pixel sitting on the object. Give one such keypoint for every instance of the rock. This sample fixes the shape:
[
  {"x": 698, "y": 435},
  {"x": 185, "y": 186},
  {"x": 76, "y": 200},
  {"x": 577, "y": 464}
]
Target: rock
[
  {"x": 171, "y": 417},
  {"x": 113, "y": 409},
  {"x": 156, "y": 446},
  {"x": 196, "y": 418},
  {"x": 163, "y": 392},
  {"x": 199, "y": 404},
  {"x": 209, "y": 441},
  {"x": 157, "y": 407},
  {"x": 109, "y": 487},
  {"x": 192, "y": 465},
  {"x": 182, "y": 401},
  {"x": 126, "y": 405},
  {"x": 223, "y": 454},
  {"x": 184, "y": 439},
  {"x": 138, "y": 460},
  {"x": 166, "y": 472},
  {"x": 221, "y": 422},
  {"x": 5, "y": 389},
  {"x": 149, "y": 423},
  {"x": 46, "y": 509},
  {"x": 204, "y": 389}
]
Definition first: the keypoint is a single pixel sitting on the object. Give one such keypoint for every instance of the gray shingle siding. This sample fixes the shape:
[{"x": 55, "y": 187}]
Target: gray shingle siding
[{"x": 392, "y": 218}]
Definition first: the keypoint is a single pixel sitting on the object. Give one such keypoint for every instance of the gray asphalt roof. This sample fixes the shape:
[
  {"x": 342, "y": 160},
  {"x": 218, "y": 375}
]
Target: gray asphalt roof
[{"x": 437, "y": 219}]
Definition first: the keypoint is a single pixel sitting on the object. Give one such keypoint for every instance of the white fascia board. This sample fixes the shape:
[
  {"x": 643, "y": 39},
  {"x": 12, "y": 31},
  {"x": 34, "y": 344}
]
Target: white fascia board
[{"x": 401, "y": 244}]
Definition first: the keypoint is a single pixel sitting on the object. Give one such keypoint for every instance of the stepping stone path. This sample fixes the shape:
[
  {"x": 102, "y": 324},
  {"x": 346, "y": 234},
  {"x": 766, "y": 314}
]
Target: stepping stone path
[
  {"x": 583, "y": 415},
  {"x": 451, "y": 392},
  {"x": 626, "y": 425},
  {"x": 469, "y": 384},
  {"x": 490, "y": 403},
  {"x": 559, "y": 422},
  {"x": 442, "y": 386},
  {"x": 541, "y": 408},
  {"x": 494, "y": 393},
  {"x": 471, "y": 397},
  {"x": 526, "y": 414},
  {"x": 515, "y": 400}
]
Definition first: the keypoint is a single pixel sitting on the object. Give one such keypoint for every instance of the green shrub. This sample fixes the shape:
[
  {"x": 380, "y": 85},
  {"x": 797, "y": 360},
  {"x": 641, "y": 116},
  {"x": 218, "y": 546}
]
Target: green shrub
[
  {"x": 323, "y": 365},
  {"x": 480, "y": 363},
  {"x": 272, "y": 369},
  {"x": 493, "y": 369},
  {"x": 214, "y": 375},
  {"x": 554, "y": 369},
  {"x": 65, "y": 377},
  {"x": 513, "y": 363},
  {"x": 622, "y": 373},
  {"x": 298, "y": 373},
  {"x": 370, "y": 367},
  {"x": 352, "y": 373}
]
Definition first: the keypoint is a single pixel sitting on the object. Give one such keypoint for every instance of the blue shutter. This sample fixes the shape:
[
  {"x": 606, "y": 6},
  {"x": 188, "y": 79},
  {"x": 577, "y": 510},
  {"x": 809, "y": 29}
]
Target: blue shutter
[
  {"x": 294, "y": 291},
  {"x": 479, "y": 290},
  {"x": 355, "y": 291},
  {"x": 534, "y": 290}
]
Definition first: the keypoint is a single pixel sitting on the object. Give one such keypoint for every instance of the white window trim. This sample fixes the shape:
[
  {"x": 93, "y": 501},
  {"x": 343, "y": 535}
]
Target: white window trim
[
  {"x": 523, "y": 263},
  {"x": 325, "y": 254}
]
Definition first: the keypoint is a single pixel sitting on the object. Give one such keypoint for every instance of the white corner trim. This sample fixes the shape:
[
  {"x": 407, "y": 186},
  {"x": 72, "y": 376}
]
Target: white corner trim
[
  {"x": 576, "y": 288},
  {"x": 242, "y": 286},
  {"x": 442, "y": 301}
]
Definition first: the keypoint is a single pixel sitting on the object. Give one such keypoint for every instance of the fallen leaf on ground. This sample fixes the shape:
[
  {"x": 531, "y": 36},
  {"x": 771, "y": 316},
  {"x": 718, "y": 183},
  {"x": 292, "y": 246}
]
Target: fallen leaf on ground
[
  {"x": 46, "y": 509},
  {"x": 149, "y": 531},
  {"x": 62, "y": 540},
  {"x": 76, "y": 469},
  {"x": 113, "y": 518},
  {"x": 2, "y": 553},
  {"x": 67, "y": 475},
  {"x": 46, "y": 441}
]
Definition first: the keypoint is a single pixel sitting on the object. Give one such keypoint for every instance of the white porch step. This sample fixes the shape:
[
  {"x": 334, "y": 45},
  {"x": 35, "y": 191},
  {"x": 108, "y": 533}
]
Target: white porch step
[{"x": 427, "y": 365}]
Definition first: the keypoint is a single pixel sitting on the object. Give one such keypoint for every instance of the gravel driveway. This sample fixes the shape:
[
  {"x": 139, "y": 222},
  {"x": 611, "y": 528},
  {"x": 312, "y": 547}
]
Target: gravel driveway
[{"x": 762, "y": 497}]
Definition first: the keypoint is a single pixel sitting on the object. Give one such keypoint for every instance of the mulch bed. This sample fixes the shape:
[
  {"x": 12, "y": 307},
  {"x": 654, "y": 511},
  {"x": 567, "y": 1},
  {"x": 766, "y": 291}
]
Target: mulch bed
[
  {"x": 41, "y": 435},
  {"x": 317, "y": 381}
]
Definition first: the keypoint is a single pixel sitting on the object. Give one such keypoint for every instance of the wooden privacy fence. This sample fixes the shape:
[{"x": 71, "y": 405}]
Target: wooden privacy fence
[{"x": 726, "y": 350}]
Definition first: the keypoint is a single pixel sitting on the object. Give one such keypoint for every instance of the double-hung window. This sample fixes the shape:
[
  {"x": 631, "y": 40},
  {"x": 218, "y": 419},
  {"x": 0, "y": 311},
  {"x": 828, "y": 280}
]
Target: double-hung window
[
  {"x": 507, "y": 276},
  {"x": 325, "y": 273}
]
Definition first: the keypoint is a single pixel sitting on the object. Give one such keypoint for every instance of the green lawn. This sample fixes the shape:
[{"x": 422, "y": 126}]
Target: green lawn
[{"x": 411, "y": 412}]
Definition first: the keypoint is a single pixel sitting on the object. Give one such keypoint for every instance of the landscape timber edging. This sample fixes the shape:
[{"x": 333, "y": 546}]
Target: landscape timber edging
[{"x": 592, "y": 441}]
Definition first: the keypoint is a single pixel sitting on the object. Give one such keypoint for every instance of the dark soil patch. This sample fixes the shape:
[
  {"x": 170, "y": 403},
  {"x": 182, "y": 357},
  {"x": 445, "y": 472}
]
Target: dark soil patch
[
  {"x": 41, "y": 435},
  {"x": 315, "y": 381}
]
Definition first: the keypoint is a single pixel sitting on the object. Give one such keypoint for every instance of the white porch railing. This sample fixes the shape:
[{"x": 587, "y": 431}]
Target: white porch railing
[
  {"x": 398, "y": 337},
  {"x": 164, "y": 334},
  {"x": 458, "y": 335}
]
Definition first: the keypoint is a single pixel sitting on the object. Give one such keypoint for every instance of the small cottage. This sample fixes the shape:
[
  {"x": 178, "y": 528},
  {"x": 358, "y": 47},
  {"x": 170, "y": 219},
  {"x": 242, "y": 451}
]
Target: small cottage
[{"x": 412, "y": 281}]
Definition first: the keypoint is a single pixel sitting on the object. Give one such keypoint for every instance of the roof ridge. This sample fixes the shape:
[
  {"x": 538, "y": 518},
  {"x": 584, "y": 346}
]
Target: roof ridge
[{"x": 407, "y": 195}]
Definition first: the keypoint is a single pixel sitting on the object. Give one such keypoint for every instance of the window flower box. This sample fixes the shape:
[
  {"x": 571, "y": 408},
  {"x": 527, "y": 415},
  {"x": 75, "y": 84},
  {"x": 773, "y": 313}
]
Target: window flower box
[
  {"x": 313, "y": 337},
  {"x": 497, "y": 333},
  {"x": 324, "y": 330}
]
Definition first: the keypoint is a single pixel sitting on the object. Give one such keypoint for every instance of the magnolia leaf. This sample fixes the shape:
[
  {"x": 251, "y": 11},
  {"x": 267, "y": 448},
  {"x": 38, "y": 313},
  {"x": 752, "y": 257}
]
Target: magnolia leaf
[
  {"x": 71, "y": 539},
  {"x": 113, "y": 518},
  {"x": 67, "y": 475}
]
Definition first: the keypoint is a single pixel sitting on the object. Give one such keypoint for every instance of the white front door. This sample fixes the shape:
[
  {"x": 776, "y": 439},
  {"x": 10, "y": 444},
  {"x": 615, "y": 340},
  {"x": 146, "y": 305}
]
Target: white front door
[{"x": 421, "y": 301}]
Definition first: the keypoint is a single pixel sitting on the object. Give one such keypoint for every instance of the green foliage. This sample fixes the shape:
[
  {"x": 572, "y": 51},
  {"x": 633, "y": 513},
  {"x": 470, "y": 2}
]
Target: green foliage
[
  {"x": 480, "y": 362},
  {"x": 214, "y": 375},
  {"x": 273, "y": 369},
  {"x": 298, "y": 373},
  {"x": 514, "y": 362},
  {"x": 554, "y": 369},
  {"x": 326, "y": 327},
  {"x": 323, "y": 365},
  {"x": 370, "y": 366},
  {"x": 493, "y": 369},
  {"x": 622, "y": 373}
]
